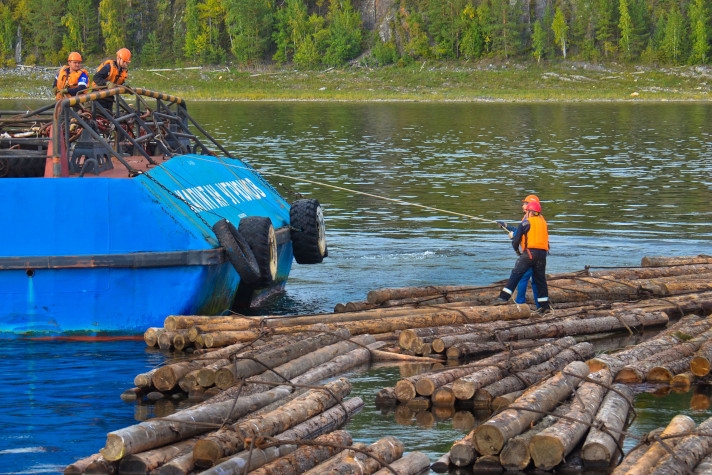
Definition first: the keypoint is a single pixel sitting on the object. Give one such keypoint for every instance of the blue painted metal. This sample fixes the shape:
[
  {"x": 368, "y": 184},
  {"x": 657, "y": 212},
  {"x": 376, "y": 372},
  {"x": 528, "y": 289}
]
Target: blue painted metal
[{"x": 97, "y": 255}]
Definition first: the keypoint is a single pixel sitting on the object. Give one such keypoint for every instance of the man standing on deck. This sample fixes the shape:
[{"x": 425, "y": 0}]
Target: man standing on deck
[
  {"x": 531, "y": 243},
  {"x": 114, "y": 71},
  {"x": 71, "y": 79},
  {"x": 521, "y": 296}
]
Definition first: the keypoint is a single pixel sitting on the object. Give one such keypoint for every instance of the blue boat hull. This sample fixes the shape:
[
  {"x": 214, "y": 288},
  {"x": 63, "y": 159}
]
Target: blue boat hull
[{"x": 114, "y": 256}]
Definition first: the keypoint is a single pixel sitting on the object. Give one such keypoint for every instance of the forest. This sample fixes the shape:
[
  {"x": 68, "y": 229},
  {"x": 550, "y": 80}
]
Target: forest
[{"x": 330, "y": 33}]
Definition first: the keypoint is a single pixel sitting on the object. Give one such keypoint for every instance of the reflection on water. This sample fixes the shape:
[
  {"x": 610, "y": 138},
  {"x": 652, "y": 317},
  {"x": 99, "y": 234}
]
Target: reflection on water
[{"x": 618, "y": 182}]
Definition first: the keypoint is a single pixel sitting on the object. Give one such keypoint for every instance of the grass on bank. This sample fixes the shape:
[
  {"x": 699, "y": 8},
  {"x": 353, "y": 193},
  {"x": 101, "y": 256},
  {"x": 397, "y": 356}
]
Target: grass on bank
[{"x": 426, "y": 81}]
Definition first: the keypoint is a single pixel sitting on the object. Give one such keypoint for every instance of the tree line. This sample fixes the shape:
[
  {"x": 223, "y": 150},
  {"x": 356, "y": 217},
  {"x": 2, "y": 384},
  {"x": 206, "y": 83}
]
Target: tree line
[{"x": 317, "y": 33}]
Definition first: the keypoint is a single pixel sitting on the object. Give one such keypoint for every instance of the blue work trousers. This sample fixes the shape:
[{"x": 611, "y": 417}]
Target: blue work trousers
[{"x": 537, "y": 264}]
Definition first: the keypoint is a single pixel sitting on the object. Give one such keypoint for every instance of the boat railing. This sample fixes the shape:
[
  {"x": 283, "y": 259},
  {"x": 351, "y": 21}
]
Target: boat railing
[{"x": 91, "y": 129}]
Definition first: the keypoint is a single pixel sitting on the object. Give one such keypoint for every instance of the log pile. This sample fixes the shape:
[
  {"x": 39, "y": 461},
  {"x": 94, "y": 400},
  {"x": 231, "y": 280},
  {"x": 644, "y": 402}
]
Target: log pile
[{"x": 261, "y": 407}]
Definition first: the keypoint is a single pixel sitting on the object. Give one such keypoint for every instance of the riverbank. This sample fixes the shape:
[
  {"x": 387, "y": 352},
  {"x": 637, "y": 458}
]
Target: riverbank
[{"x": 425, "y": 81}]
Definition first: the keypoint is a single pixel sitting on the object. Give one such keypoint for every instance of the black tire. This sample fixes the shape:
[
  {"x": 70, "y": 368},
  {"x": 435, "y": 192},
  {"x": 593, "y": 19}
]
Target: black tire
[
  {"x": 306, "y": 222},
  {"x": 259, "y": 234},
  {"x": 238, "y": 251}
]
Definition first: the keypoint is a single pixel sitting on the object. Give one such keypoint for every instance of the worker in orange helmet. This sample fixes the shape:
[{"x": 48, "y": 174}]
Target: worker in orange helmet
[
  {"x": 531, "y": 243},
  {"x": 70, "y": 79},
  {"x": 112, "y": 71},
  {"x": 520, "y": 298}
]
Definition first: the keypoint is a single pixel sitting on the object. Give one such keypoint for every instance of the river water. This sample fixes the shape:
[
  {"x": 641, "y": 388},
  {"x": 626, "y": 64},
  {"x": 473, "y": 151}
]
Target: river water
[{"x": 410, "y": 191}]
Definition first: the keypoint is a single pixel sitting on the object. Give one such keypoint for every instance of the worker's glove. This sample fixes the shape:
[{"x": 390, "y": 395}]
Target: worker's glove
[
  {"x": 64, "y": 91},
  {"x": 510, "y": 234},
  {"x": 55, "y": 90},
  {"x": 501, "y": 224}
]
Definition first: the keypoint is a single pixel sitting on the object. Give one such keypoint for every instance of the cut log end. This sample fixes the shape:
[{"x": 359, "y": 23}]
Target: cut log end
[
  {"x": 114, "y": 449},
  {"x": 699, "y": 366},
  {"x": 547, "y": 452},
  {"x": 488, "y": 440}
]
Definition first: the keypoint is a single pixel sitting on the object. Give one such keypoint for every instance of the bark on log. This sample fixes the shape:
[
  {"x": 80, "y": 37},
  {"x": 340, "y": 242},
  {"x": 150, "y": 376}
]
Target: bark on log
[
  {"x": 515, "y": 454},
  {"x": 406, "y": 388},
  {"x": 490, "y": 437},
  {"x": 412, "y": 463},
  {"x": 465, "y": 387},
  {"x": 636, "y": 452},
  {"x": 143, "y": 380},
  {"x": 102, "y": 466},
  {"x": 585, "y": 325},
  {"x": 184, "y": 424},
  {"x": 655, "y": 261},
  {"x": 442, "y": 464},
  {"x": 226, "y": 442},
  {"x": 463, "y": 452},
  {"x": 387, "y": 449},
  {"x": 80, "y": 466},
  {"x": 530, "y": 376},
  {"x": 408, "y": 337},
  {"x": 166, "y": 377},
  {"x": 471, "y": 349},
  {"x": 637, "y": 372},
  {"x": 679, "y": 426},
  {"x": 665, "y": 373},
  {"x": 600, "y": 447},
  {"x": 499, "y": 403},
  {"x": 688, "y": 452},
  {"x": 549, "y": 447},
  {"x": 670, "y": 337},
  {"x": 378, "y": 296},
  {"x": 701, "y": 362},
  {"x": 306, "y": 456},
  {"x": 259, "y": 361},
  {"x": 653, "y": 272},
  {"x": 145, "y": 462},
  {"x": 704, "y": 467}
]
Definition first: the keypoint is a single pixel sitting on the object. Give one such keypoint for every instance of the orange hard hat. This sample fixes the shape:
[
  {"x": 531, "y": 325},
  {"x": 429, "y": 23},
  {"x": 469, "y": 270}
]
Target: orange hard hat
[
  {"x": 533, "y": 206},
  {"x": 531, "y": 198},
  {"x": 74, "y": 56},
  {"x": 124, "y": 54}
]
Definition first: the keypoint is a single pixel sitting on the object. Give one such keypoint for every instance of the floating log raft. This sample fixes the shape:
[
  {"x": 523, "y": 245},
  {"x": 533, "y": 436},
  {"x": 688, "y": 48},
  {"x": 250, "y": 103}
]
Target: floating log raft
[{"x": 555, "y": 398}]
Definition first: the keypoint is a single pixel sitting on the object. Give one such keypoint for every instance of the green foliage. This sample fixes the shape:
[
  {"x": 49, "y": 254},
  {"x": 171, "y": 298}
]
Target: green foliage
[
  {"x": 152, "y": 51},
  {"x": 673, "y": 37},
  {"x": 384, "y": 53},
  {"x": 538, "y": 41},
  {"x": 561, "y": 30},
  {"x": 699, "y": 32},
  {"x": 344, "y": 38},
  {"x": 111, "y": 19},
  {"x": 249, "y": 25},
  {"x": 7, "y": 32},
  {"x": 472, "y": 44}
]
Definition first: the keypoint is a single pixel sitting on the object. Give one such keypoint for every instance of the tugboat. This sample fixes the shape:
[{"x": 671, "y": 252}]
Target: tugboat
[{"x": 118, "y": 217}]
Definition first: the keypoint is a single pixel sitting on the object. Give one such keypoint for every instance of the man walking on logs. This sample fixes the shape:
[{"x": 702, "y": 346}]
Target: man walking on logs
[{"x": 531, "y": 243}]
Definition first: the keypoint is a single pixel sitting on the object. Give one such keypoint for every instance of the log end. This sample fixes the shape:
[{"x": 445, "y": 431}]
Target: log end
[
  {"x": 547, "y": 452},
  {"x": 405, "y": 390},
  {"x": 425, "y": 387},
  {"x": 205, "y": 453},
  {"x": 699, "y": 366},
  {"x": 515, "y": 455},
  {"x": 659, "y": 374},
  {"x": 463, "y": 389},
  {"x": 462, "y": 454},
  {"x": 629, "y": 375},
  {"x": 488, "y": 439},
  {"x": 596, "y": 454},
  {"x": 114, "y": 449}
]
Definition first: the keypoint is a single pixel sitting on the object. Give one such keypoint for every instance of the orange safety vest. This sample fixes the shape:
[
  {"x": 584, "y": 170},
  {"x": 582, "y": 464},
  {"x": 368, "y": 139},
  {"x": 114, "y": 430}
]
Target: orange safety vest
[
  {"x": 67, "y": 79},
  {"x": 116, "y": 75},
  {"x": 538, "y": 235}
]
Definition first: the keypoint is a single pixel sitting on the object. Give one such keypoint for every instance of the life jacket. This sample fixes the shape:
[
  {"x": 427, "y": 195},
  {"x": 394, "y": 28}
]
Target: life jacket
[
  {"x": 538, "y": 235},
  {"x": 68, "y": 79},
  {"x": 116, "y": 75}
]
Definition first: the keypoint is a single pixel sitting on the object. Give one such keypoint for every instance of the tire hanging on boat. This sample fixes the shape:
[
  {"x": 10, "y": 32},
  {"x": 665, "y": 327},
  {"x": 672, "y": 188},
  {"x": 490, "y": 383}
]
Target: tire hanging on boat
[
  {"x": 258, "y": 231},
  {"x": 238, "y": 251},
  {"x": 306, "y": 220}
]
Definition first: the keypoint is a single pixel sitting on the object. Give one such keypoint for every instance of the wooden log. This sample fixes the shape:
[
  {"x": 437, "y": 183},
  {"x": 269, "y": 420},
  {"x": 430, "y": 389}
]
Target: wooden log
[
  {"x": 470, "y": 350},
  {"x": 166, "y": 338},
  {"x": 501, "y": 402},
  {"x": 701, "y": 362},
  {"x": 515, "y": 454},
  {"x": 320, "y": 425},
  {"x": 180, "y": 341},
  {"x": 683, "y": 381},
  {"x": 306, "y": 456},
  {"x": 662, "y": 261},
  {"x": 444, "y": 396},
  {"x": 442, "y": 464},
  {"x": 184, "y": 322},
  {"x": 489, "y": 437},
  {"x": 225, "y": 442},
  {"x": 225, "y": 338},
  {"x": 184, "y": 424},
  {"x": 406, "y": 388},
  {"x": 150, "y": 336},
  {"x": 676, "y": 430},
  {"x": 653, "y": 272},
  {"x": 389, "y": 356},
  {"x": 532, "y": 375},
  {"x": 379, "y": 296},
  {"x": 550, "y": 446},
  {"x": 637, "y": 372},
  {"x": 704, "y": 467},
  {"x": 463, "y": 452},
  {"x": 666, "y": 372},
  {"x": 412, "y": 463},
  {"x": 636, "y": 452},
  {"x": 585, "y": 325},
  {"x": 666, "y": 339},
  {"x": 80, "y": 466},
  {"x": 145, "y": 462},
  {"x": 408, "y": 336},
  {"x": 102, "y": 466},
  {"x": 465, "y": 387},
  {"x": 166, "y": 377},
  {"x": 254, "y": 363},
  {"x": 689, "y": 451},
  {"x": 601, "y": 447},
  {"x": 143, "y": 380},
  {"x": 365, "y": 460}
]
